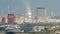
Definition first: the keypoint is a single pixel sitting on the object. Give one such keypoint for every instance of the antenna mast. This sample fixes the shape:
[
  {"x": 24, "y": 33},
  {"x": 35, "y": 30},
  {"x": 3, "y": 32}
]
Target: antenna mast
[{"x": 8, "y": 10}]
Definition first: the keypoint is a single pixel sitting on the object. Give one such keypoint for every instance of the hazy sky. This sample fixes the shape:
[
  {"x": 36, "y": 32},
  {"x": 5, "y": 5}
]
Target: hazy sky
[{"x": 20, "y": 6}]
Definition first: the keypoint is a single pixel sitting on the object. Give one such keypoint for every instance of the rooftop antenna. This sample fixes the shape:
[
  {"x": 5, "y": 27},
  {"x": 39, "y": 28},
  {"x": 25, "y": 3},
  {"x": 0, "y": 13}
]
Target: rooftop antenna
[{"x": 8, "y": 10}]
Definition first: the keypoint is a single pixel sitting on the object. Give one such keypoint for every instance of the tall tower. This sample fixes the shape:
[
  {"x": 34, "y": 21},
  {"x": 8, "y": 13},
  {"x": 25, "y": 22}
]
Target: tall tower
[
  {"x": 45, "y": 16},
  {"x": 10, "y": 17},
  {"x": 45, "y": 12}
]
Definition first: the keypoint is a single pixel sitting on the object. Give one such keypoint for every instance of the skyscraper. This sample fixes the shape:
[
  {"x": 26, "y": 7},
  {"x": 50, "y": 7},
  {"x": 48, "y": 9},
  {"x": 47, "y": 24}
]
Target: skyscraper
[
  {"x": 3, "y": 20},
  {"x": 11, "y": 19}
]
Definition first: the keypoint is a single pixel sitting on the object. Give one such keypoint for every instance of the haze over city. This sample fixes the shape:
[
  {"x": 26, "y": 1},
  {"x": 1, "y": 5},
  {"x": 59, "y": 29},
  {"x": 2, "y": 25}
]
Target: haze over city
[
  {"x": 29, "y": 16},
  {"x": 19, "y": 7}
]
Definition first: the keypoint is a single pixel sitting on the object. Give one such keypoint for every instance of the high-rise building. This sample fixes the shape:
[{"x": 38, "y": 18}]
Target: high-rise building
[
  {"x": 0, "y": 20},
  {"x": 11, "y": 19},
  {"x": 3, "y": 20}
]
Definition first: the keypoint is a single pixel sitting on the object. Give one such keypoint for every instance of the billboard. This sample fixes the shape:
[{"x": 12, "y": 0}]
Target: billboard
[{"x": 11, "y": 17}]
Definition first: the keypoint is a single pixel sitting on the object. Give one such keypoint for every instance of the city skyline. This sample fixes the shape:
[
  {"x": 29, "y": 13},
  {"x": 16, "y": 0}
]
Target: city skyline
[{"x": 20, "y": 6}]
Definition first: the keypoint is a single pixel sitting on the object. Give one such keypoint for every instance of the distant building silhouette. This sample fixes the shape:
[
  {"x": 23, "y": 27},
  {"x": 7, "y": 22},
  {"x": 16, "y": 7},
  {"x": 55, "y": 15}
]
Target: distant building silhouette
[
  {"x": 3, "y": 20},
  {"x": 11, "y": 19}
]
